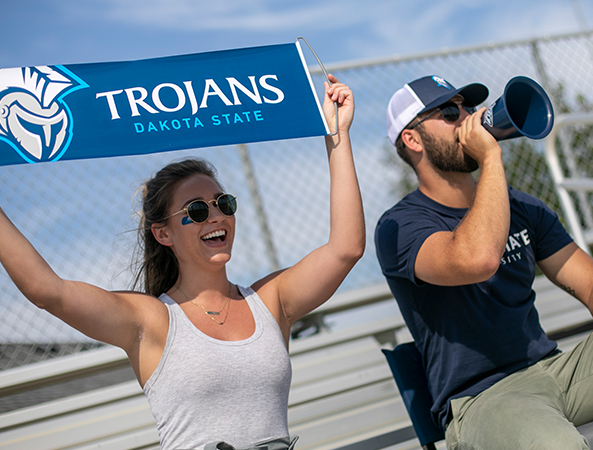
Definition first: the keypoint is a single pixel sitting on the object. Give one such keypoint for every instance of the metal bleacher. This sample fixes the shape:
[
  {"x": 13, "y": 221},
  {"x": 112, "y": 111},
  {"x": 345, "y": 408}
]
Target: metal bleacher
[
  {"x": 571, "y": 182},
  {"x": 342, "y": 397}
]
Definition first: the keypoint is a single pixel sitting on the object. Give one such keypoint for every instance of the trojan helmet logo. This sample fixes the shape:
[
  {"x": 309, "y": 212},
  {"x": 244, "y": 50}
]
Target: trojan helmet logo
[
  {"x": 441, "y": 82},
  {"x": 34, "y": 120}
]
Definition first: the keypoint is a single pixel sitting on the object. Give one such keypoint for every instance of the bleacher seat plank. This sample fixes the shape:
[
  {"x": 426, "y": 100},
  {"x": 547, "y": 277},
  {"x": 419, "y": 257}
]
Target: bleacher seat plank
[
  {"x": 322, "y": 407},
  {"x": 144, "y": 439},
  {"x": 80, "y": 427},
  {"x": 338, "y": 359},
  {"x": 336, "y": 430},
  {"x": 73, "y": 403}
]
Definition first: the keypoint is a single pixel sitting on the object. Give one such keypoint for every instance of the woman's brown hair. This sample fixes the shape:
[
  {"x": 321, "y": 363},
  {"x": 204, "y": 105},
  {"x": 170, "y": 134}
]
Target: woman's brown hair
[{"x": 157, "y": 266}]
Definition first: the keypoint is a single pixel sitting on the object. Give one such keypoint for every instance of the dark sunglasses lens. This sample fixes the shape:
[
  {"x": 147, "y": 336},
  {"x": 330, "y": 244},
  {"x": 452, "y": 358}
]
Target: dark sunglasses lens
[
  {"x": 198, "y": 211},
  {"x": 227, "y": 204},
  {"x": 450, "y": 112},
  {"x": 469, "y": 109}
]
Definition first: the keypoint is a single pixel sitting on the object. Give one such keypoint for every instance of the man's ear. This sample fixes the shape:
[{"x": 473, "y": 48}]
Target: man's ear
[
  {"x": 412, "y": 140},
  {"x": 161, "y": 234}
]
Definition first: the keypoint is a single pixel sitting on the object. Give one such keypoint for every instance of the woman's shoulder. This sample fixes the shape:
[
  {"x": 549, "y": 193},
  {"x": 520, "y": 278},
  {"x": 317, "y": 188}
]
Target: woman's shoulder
[
  {"x": 267, "y": 289},
  {"x": 268, "y": 282}
]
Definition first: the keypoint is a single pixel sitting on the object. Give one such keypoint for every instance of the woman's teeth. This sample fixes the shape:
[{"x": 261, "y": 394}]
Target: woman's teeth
[{"x": 214, "y": 234}]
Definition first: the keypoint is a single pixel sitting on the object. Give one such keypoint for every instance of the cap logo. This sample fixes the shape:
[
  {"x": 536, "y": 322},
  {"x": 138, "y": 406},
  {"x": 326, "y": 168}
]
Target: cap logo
[{"x": 441, "y": 82}]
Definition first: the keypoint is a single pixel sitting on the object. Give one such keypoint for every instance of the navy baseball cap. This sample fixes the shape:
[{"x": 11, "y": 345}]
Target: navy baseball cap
[{"x": 424, "y": 94}]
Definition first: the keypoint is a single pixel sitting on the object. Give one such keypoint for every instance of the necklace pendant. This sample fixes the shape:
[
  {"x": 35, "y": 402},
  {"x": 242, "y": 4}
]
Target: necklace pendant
[{"x": 213, "y": 313}]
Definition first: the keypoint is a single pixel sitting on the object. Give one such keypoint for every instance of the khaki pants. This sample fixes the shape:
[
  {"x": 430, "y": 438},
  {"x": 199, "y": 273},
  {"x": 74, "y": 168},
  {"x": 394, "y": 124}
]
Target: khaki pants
[{"x": 534, "y": 408}]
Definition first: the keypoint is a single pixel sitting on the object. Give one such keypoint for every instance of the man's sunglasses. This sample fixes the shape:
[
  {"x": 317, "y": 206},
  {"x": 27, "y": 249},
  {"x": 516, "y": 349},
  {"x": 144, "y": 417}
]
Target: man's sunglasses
[
  {"x": 199, "y": 210},
  {"x": 450, "y": 112}
]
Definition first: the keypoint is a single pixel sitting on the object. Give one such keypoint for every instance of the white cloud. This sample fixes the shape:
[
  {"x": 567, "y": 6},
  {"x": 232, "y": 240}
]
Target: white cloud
[
  {"x": 338, "y": 29},
  {"x": 232, "y": 16},
  {"x": 429, "y": 25}
]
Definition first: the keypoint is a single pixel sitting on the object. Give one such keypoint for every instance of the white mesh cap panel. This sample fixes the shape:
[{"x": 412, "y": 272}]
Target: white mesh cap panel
[{"x": 402, "y": 108}]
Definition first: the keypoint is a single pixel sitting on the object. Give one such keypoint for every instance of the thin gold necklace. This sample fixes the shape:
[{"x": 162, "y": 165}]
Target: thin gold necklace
[{"x": 211, "y": 314}]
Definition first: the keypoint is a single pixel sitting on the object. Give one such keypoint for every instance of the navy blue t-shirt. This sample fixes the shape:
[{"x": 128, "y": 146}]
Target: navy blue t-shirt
[{"x": 474, "y": 335}]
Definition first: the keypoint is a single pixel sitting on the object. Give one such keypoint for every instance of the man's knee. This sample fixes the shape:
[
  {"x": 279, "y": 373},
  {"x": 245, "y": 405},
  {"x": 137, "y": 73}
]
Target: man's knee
[
  {"x": 488, "y": 425},
  {"x": 571, "y": 441}
]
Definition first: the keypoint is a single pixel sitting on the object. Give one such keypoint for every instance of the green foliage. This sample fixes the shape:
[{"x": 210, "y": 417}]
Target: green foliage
[
  {"x": 404, "y": 177},
  {"x": 527, "y": 171},
  {"x": 578, "y": 138}
]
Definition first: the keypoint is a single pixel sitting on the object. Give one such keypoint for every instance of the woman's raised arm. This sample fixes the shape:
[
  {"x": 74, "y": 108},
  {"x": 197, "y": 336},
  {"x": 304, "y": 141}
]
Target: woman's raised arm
[
  {"x": 114, "y": 318},
  {"x": 306, "y": 285}
]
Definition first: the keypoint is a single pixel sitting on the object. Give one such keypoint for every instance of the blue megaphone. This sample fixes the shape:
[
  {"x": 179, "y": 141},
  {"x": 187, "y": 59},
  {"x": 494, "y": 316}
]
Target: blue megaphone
[{"x": 524, "y": 109}]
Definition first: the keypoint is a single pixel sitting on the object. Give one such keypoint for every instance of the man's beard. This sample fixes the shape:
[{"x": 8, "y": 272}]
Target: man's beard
[{"x": 446, "y": 155}]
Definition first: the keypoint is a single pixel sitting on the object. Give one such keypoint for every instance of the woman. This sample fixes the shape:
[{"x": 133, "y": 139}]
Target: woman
[{"x": 211, "y": 356}]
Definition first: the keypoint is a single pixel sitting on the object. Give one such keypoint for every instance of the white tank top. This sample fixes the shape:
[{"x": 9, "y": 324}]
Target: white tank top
[{"x": 205, "y": 390}]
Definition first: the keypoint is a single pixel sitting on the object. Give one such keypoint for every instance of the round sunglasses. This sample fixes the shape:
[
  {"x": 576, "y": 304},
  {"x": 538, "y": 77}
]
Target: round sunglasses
[
  {"x": 450, "y": 112},
  {"x": 199, "y": 210}
]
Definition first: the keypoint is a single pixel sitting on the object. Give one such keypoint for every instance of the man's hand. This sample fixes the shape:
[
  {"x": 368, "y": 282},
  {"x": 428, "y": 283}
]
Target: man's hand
[{"x": 475, "y": 140}]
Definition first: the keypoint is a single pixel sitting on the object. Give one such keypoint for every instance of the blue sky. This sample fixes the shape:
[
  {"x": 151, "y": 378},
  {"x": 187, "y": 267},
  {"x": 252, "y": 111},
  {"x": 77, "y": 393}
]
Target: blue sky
[{"x": 35, "y": 32}]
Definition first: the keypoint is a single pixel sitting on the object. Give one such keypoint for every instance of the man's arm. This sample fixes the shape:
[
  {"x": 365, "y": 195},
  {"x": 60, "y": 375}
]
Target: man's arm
[
  {"x": 571, "y": 269},
  {"x": 471, "y": 253}
]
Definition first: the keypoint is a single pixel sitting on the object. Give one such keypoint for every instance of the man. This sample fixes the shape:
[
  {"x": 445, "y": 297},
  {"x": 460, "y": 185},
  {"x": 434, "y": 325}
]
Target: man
[{"x": 460, "y": 258}]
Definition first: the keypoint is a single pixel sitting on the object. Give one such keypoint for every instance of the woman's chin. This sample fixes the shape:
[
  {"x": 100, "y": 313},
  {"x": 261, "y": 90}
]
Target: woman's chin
[{"x": 221, "y": 258}]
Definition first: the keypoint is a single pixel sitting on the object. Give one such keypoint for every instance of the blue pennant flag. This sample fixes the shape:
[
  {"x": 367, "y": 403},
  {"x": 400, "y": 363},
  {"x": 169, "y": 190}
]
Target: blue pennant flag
[{"x": 78, "y": 111}]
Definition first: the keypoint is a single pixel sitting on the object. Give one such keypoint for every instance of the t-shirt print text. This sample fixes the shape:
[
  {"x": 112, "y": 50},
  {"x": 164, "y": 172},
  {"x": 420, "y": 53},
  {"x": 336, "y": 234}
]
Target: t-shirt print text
[{"x": 514, "y": 244}]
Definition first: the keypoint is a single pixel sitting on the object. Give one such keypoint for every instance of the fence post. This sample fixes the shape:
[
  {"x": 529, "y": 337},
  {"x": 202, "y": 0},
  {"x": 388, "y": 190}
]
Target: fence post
[{"x": 262, "y": 218}]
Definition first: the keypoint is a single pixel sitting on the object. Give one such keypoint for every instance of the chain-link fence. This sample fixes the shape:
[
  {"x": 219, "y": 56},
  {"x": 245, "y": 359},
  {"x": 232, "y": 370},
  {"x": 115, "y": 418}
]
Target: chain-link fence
[{"x": 80, "y": 215}]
